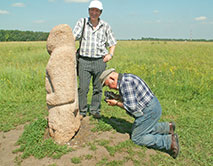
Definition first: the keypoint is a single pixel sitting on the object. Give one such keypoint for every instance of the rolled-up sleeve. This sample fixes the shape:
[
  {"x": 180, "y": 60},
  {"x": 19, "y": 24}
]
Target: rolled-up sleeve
[
  {"x": 78, "y": 29},
  {"x": 111, "y": 41}
]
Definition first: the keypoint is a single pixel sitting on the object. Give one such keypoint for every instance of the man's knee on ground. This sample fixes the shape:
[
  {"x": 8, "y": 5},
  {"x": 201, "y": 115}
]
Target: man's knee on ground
[{"x": 144, "y": 140}]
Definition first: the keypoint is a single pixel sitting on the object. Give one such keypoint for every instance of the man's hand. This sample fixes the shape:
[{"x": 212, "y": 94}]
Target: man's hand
[
  {"x": 107, "y": 58},
  {"x": 112, "y": 102}
]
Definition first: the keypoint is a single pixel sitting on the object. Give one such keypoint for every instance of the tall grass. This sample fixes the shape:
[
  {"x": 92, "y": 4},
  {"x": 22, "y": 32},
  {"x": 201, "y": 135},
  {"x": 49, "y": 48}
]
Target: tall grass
[
  {"x": 179, "y": 73},
  {"x": 181, "y": 76},
  {"x": 22, "y": 92}
]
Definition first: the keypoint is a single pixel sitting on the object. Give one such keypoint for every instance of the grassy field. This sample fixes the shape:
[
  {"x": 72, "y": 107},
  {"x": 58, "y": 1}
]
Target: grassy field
[{"x": 179, "y": 73}]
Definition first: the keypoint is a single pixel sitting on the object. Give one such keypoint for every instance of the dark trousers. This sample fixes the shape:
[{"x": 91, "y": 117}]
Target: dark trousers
[{"x": 90, "y": 68}]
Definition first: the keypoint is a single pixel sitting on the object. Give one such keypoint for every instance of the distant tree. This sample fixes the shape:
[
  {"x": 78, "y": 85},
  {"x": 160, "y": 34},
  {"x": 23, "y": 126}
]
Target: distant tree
[
  {"x": 164, "y": 39},
  {"x": 16, "y": 35}
]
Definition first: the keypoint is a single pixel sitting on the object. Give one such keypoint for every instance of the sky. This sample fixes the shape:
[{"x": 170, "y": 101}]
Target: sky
[{"x": 129, "y": 19}]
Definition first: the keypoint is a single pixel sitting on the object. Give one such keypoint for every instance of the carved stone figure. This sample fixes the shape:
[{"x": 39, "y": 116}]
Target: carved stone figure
[{"x": 61, "y": 85}]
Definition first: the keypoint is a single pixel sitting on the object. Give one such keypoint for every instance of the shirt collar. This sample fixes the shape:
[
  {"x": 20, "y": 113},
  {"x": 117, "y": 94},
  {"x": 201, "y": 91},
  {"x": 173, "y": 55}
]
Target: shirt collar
[
  {"x": 100, "y": 23},
  {"x": 119, "y": 79}
]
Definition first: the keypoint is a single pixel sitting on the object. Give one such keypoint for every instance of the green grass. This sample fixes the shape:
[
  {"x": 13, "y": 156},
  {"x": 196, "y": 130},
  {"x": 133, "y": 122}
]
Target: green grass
[
  {"x": 32, "y": 142},
  {"x": 76, "y": 160},
  {"x": 22, "y": 92},
  {"x": 179, "y": 73},
  {"x": 88, "y": 157}
]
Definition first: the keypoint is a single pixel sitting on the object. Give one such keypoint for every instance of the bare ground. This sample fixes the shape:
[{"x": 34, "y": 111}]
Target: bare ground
[{"x": 79, "y": 143}]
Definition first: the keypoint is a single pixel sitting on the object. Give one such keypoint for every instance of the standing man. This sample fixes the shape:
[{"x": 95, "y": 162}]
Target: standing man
[
  {"x": 140, "y": 102},
  {"x": 94, "y": 55}
]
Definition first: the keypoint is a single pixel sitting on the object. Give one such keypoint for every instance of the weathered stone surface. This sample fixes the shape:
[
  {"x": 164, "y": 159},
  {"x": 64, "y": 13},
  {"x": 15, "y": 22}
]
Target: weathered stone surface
[
  {"x": 63, "y": 123},
  {"x": 61, "y": 85},
  {"x": 59, "y": 36},
  {"x": 60, "y": 78}
]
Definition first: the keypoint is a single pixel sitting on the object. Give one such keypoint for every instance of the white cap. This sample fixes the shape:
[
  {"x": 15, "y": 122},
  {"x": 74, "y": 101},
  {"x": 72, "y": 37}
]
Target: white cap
[{"x": 96, "y": 4}]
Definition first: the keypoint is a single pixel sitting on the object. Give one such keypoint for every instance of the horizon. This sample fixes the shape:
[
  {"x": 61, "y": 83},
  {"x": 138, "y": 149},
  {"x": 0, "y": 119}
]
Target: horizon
[{"x": 142, "y": 38}]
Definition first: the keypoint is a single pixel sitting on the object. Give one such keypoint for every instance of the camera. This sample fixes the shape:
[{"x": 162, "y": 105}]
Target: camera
[{"x": 111, "y": 95}]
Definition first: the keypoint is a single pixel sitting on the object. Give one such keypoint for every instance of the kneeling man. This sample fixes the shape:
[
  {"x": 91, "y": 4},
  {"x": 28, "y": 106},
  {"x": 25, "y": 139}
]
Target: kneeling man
[{"x": 139, "y": 101}]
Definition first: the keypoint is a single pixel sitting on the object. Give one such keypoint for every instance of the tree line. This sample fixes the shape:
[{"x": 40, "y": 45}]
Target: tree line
[
  {"x": 166, "y": 39},
  {"x": 16, "y": 35}
]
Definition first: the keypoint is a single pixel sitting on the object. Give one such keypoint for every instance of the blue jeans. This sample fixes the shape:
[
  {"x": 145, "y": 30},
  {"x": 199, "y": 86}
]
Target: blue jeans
[{"x": 148, "y": 131}]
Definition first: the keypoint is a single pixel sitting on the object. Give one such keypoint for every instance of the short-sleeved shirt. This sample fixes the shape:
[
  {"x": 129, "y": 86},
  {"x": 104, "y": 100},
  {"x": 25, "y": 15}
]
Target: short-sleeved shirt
[
  {"x": 135, "y": 93},
  {"x": 94, "y": 41}
]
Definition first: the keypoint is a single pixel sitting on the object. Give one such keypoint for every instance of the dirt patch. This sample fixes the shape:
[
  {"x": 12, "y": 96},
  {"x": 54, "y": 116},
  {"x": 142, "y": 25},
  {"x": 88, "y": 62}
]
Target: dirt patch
[
  {"x": 80, "y": 143},
  {"x": 7, "y": 145}
]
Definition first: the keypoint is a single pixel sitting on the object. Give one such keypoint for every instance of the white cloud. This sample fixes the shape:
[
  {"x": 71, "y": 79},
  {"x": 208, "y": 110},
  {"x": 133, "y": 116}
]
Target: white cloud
[
  {"x": 155, "y": 11},
  {"x": 207, "y": 23},
  {"x": 39, "y": 21},
  {"x": 18, "y": 5},
  {"x": 201, "y": 18},
  {"x": 4, "y": 12},
  {"x": 51, "y": 0},
  {"x": 76, "y": 1}
]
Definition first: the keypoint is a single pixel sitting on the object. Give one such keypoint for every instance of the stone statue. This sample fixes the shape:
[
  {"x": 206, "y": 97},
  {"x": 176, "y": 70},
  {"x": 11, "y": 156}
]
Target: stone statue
[{"x": 61, "y": 85}]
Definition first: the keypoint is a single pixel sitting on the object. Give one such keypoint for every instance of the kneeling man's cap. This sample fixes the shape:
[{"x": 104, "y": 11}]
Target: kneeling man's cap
[{"x": 104, "y": 75}]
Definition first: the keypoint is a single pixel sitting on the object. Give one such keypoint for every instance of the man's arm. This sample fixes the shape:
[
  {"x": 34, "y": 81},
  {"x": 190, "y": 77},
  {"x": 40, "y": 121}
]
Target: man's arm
[
  {"x": 120, "y": 104},
  {"x": 112, "y": 50},
  {"x": 109, "y": 56},
  {"x": 77, "y": 30},
  {"x": 115, "y": 103}
]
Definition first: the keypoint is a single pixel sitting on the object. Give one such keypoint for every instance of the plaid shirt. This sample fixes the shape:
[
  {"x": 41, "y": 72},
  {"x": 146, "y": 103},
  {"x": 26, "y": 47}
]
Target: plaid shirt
[
  {"x": 135, "y": 92},
  {"x": 95, "y": 41}
]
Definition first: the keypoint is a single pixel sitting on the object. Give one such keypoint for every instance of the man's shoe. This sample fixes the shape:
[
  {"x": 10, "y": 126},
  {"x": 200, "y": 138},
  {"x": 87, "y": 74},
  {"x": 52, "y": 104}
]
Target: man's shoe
[
  {"x": 175, "y": 148},
  {"x": 82, "y": 116},
  {"x": 171, "y": 127},
  {"x": 96, "y": 115}
]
